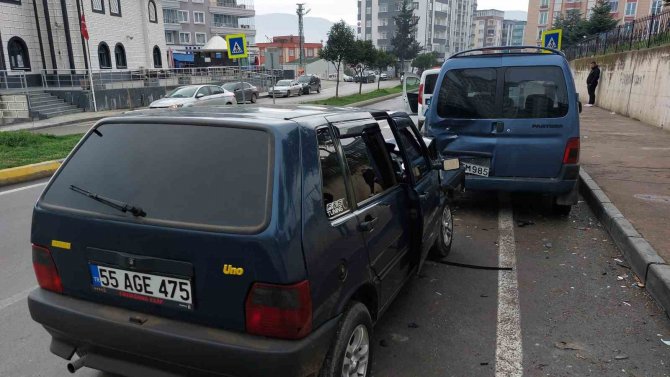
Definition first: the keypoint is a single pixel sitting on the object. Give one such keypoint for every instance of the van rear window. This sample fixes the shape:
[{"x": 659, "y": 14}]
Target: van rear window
[
  {"x": 217, "y": 178},
  {"x": 526, "y": 92},
  {"x": 429, "y": 86}
]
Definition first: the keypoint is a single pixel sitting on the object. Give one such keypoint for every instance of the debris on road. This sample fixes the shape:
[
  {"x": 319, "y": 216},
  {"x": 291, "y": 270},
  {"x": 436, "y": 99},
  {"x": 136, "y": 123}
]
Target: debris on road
[
  {"x": 524, "y": 223},
  {"x": 568, "y": 346},
  {"x": 666, "y": 342},
  {"x": 548, "y": 245},
  {"x": 399, "y": 338},
  {"x": 626, "y": 303},
  {"x": 621, "y": 356}
]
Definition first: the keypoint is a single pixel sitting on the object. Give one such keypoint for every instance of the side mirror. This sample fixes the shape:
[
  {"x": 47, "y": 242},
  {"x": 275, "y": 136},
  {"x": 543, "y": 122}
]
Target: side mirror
[
  {"x": 449, "y": 164},
  {"x": 199, "y": 95}
]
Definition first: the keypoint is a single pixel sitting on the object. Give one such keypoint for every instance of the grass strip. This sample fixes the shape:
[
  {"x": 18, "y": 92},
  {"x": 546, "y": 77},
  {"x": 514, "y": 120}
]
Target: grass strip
[
  {"x": 347, "y": 100},
  {"x": 18, "y": 148}
]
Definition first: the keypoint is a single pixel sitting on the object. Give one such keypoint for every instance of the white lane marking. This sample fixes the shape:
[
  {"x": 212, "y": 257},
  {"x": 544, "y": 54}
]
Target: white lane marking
[
  {"x": 23, "y": 188},
  {"x": 509, "y": 352},
  {"x": 9, "y": 301}
]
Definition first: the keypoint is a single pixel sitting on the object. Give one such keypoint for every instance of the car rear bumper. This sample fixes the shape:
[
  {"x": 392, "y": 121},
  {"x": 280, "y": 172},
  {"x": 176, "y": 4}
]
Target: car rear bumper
[
  {"x": 164, "y": 347},
  {"x": 564, "y": 183}
]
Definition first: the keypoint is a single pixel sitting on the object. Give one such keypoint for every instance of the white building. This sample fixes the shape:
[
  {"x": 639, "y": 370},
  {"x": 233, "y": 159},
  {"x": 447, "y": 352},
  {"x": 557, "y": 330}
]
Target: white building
[
  {"x": 488, "y": 28},
  {"x": 45, "y": 36},
  {"x": 445, "y": 26}
]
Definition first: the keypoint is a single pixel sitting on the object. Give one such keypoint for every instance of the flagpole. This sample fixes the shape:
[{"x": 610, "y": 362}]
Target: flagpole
[{"x": 90, "y": 76}]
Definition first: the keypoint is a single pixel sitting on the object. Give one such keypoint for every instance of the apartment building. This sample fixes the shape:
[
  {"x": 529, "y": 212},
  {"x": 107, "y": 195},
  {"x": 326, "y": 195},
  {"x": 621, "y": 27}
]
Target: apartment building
[
  {"x": 488, "y": 25},
  {"x": 45, "y": 36},
  {"x": 513, "y": 33},
  {"x": 445, "y": 26},
  {"x": 543, "y": 13},
  {"x": 189, "y": 24},
  {"x": 289, "y": 49}
]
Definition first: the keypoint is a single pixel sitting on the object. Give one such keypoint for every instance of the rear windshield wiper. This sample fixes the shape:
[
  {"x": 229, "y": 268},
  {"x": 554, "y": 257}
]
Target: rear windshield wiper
[{"x": 121, "y": 206}]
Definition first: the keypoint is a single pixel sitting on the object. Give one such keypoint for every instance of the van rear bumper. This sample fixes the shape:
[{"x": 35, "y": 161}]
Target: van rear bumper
[
  {"x": 164, "y": 347},
  {"x": 564, "y": 183}
]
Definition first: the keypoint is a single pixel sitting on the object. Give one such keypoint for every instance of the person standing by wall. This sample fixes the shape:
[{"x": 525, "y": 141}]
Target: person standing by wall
[{"x": 592, "y": 83}]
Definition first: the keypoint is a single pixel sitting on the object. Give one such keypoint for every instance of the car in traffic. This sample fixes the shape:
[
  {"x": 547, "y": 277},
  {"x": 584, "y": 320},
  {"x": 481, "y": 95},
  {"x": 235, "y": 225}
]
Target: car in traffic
[
  {"x": 271, "y": 238},
  {"x": 190, "y": 94},
  {"x": 244, "y": 91},
  {"x": 285, "y": 88},
  {"x": 310, "y": 83},
  {"x": 347, "y": 78},
  {"x": 518, "y": 107},
  {"x": 383, "y": 76},
  {"x": 366, "y": 77}
]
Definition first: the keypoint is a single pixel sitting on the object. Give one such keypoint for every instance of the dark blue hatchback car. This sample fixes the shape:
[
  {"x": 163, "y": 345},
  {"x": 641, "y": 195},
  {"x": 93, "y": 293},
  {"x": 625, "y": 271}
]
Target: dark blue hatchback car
[
  {"x": 235, "y": 242},
  {"x": 518, "y": 108}
]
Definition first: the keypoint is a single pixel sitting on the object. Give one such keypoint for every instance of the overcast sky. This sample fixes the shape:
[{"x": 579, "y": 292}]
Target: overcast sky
[{"x": 335, "y": 10}]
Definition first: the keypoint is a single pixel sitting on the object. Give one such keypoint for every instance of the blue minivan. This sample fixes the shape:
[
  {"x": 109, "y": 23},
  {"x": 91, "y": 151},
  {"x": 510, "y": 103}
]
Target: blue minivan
[
  {"x": 259, "y": 241},
  {"x": 518, "y": 108}
]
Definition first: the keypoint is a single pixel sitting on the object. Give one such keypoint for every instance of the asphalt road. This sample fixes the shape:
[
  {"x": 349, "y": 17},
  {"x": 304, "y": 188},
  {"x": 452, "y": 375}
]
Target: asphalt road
[{"x": 570, "y": 314}]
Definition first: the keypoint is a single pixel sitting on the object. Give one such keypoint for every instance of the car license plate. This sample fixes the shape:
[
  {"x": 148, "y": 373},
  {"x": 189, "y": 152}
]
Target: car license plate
[
  {"x": 476, "y": 168},
  {"x": 155, "y": 289}
]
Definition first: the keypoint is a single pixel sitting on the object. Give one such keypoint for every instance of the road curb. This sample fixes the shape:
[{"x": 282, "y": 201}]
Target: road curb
[
  {"x": 643, "y": 259},
  {"x": 28, "y": 172},
  {"x": 374, "y": 100}
]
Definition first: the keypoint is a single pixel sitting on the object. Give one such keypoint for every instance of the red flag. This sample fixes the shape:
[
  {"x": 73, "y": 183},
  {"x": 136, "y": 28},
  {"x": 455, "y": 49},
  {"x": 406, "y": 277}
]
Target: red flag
[{"x": 84, "y": 29}]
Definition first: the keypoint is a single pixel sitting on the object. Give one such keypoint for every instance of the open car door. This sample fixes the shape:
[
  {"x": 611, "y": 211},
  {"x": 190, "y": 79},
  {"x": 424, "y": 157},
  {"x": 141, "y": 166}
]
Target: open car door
[{"x": 410, "y": 93}]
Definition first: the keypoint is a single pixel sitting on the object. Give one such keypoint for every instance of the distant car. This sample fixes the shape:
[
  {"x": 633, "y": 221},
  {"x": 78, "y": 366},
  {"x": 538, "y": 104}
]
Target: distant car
[
  {"x": 190, "y": 94},
  {"x": 285, "y": 88},
  {"x": 366, "y": 77},
  {"x": 347, "y": 78},
  {"x": 310, "y": 83},
  {"x": 244, "y": 92},
  {"x": 383, "y": 77}
]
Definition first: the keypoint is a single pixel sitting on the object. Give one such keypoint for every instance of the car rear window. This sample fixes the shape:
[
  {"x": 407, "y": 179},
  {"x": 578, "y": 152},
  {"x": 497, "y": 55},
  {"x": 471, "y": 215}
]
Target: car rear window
[
  {"x": 526, "y": 92},
  {"x": 217, "y": 178},
  {"x": 429, "y": 85}
]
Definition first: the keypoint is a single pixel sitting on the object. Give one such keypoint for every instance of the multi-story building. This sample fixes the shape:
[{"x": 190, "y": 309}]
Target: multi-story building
[
  {"x": 189, "y": 24},
  {"x": 488, "y": 24},
  {"x": 543, "y": 13},
  {"x": 513, "y": 32},
  {"x": 444, "y": 26},
  {"x": 45, "y": 36},
  {"x": 289, "y": 49}
]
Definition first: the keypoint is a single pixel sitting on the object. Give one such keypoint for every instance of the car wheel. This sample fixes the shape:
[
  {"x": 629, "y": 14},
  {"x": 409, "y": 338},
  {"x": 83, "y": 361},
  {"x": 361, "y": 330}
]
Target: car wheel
[
  {"x": 318, "y": 89},
  {"x": 253, "y": 98},
  {"x": 442, "y": 245},
  {"x": 299, "y": 92},
  {"x": 350, "y": 353}
]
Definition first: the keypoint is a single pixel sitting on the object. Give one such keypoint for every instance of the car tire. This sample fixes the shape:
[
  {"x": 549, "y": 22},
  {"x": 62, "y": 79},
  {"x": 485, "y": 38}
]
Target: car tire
[
  {"x": 318, "y": 89},
  {"x": 442, "y": 246},
  {"x": 253, "y": 98},
  {"x": 300, "y": 93},
  {"x": 353, "y": 338}
]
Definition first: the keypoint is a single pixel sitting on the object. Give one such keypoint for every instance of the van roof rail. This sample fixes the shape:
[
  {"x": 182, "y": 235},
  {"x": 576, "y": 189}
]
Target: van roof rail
[{"x": 506, "y": 50}]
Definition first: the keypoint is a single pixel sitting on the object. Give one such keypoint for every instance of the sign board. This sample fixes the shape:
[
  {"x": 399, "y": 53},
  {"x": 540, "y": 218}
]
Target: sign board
[
  {"x": 272, "y": 58},
  {"x": 552, "y": 39},
  {"x": 237, "y": 46}
]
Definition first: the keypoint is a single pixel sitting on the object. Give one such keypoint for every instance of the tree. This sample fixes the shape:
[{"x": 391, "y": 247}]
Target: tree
[
  {"x": 405, "y": 46},
  {"x": 361, "y": 58},
  {"x": 425, "y": 61},
  {"x": 338, "y": 48},
  {"x": 575, "y": 28},
  {"x": 601, "y": 19},
  {"x": 382, "y": 61}
]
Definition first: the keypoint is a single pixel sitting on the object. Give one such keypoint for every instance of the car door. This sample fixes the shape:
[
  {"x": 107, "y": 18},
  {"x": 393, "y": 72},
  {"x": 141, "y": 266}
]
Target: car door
[
  {"x": 248, "y": 91},
  {"x": 410, "y": 93},
  {"x": 216, "y": 92},
  {"x": 202, "y": 93},
  {"x": 381, "y": 205}
]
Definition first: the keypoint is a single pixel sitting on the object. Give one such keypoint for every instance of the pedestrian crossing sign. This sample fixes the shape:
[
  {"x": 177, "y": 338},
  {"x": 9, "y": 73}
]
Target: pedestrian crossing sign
[
  {"x": 237, "y": 46},
  {"x": 552, "y": 39}
]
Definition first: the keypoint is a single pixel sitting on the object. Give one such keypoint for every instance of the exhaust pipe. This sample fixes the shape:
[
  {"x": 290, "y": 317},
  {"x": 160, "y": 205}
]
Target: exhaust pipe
[{"x": 76, "y": 365}]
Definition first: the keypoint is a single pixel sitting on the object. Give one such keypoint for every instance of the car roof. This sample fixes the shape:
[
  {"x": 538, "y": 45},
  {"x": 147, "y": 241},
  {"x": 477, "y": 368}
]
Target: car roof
[{"x": 433, "y": 71}]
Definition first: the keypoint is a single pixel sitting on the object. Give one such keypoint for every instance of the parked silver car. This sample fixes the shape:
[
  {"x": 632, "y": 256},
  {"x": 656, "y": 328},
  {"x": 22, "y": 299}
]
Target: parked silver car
[
  {"x": 285, "y": 88},
  {"x": 190, "y": 94}
]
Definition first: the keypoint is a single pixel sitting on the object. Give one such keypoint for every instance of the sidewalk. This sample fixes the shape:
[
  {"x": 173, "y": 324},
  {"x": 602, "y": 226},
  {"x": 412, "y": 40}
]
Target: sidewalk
[
  {"x": 61, "y": 120},
  {"x": 630, "y": 161}
]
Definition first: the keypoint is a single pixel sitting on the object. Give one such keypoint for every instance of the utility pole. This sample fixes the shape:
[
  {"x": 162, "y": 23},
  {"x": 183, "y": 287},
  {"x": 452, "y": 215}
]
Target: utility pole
[{"x": 301, "y": 12}]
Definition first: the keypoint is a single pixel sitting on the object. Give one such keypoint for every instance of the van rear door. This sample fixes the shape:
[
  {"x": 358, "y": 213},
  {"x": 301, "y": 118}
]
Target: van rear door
[
  {"x": 410, "y": 93},
  {"x": 519, "y": 114}
]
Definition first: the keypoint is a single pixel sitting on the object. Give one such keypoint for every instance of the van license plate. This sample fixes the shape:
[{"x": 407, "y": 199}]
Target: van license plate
[
  {"x": 154, "y": 289},
  {"x": 476, "y": 169}
]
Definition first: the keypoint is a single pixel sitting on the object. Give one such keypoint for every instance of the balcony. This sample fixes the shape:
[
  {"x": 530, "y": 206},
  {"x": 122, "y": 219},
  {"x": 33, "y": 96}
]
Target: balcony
[
  {"x": 225, "y": 29},
  {"x": 240, "y": 8}
]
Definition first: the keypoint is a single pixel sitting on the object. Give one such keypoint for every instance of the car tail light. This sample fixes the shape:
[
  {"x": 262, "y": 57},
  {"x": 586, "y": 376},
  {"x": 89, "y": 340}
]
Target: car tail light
[
  {"x": 279, "y": 311},
  {"x": 421, "y": 93},
  {"x": 571, "y": 155},
  {"x": 45, "y": 270}
]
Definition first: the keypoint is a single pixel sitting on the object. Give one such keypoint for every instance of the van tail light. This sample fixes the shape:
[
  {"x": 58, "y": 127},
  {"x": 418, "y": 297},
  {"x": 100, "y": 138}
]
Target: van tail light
[
  {"x": 45, "y": 270},
  {"x": 571, "y": 155},
  {"x": 421, "y": 93},
  {"x": 279, "y": 311}
]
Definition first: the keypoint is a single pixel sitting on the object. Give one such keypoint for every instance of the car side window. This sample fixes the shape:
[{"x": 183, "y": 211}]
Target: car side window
[
  {"x": 247, "y": 85},
  {"x": 420, "y": 166},
  {"x": 204, "y": 91},
  {"x": 332, "y": 177},
  {"x": 370, "y": 170},
  {"x": 215, "y": 90}
]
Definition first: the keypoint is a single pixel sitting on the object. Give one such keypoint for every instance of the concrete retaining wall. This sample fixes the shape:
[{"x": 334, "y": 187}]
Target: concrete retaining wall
[
  {"x": 111, "y": 99},
  {"x": 13, "y": 106},
  {"x": 635, "y": 84}
]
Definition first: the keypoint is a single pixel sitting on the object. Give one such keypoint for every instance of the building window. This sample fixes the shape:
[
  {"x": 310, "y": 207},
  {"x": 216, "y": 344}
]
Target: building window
[
  {"x": 544, "y": 3},
  {"x": 631, "y": 9},
  {"x": 98, "y": 6},
  {"x": 656, "y": 6},
  {"x": 184, "y": 38},
  {"x": 115, "y": 7},
  {"x": 19, "y": 59},
  {"x": 543, "y": 18},
  {"x": 182, "y": 16},
  {"x": 169, "y": 37},
  {"x": 158, "y": 59},
  {"x": 104, "y": 59},
  {"x": 153, "y": 16},
  {"x": 383, "y": 7},
  {"x": 200, "y": 38},
  {"x": 198, "y": 17},
  {"x": 170, "y": 16},
  {"x": 120, "y": 56},
  {"x": 614, "y": 6}
]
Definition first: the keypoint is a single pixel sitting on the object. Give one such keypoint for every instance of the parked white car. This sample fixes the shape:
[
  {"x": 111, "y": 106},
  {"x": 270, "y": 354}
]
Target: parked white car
[
  {"x": 347, "y": 78},
  {"x": 286, "y": 88},
  {"x": 190, "y": 94}
]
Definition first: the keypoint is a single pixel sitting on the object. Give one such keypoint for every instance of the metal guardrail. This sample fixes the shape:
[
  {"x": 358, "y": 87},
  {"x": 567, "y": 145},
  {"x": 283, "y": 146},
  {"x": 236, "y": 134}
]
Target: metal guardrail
[
  {"x": 13, "y": 80},
  {"x": 642, "y": 33}
]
